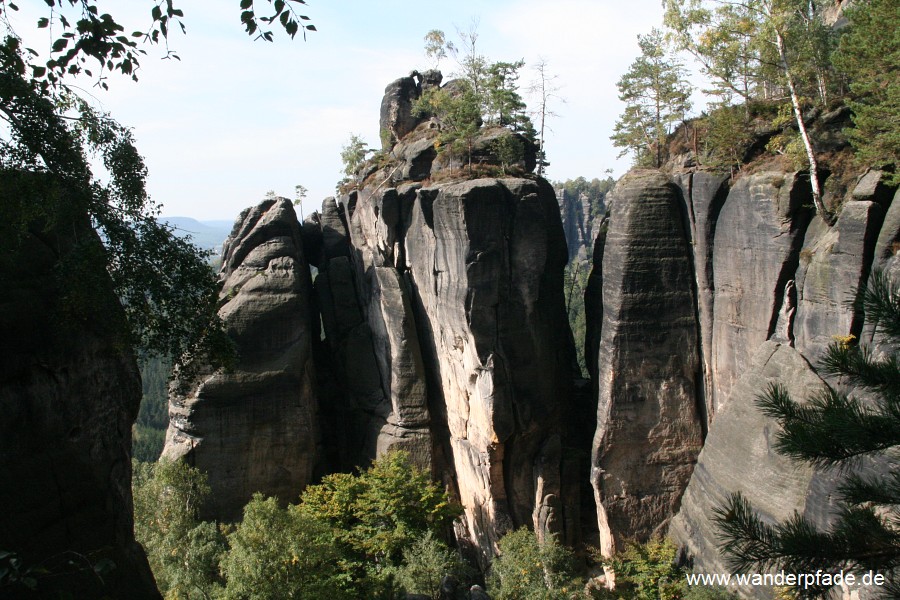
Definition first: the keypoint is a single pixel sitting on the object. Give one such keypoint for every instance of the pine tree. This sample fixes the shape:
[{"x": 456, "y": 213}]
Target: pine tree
[
  {"x": 656, "y": 95},
  {"x": 869, "y": 55},
  {"x": 835, "y": 430}
]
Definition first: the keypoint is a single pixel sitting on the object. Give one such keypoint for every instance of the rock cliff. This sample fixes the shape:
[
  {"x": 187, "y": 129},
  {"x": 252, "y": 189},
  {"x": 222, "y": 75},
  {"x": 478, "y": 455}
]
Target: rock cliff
[
  {"x": 439, "y": 289},
  {"x": 69, "y": 394},
  {"x": 254, "y": 428}
]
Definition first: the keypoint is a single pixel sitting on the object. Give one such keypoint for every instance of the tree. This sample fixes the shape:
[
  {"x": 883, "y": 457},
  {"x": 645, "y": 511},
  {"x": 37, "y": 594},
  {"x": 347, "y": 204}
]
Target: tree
[
  {"x": 183, "y": 552},
  {"x": 869, "y": 55},
  {"x": 761, "y": 39},
  {"x": 527, "y": 569},
  {"x": 544, "y": 87},
  {"x": 164, "y": 284},
  {"x": 656, "y": 95},
  {"x": 88, "y": 35},
  {"x": 281, "y": 553},
  {"x": 836, "y": 430},
  {"x": 353, "y": 155},
  {"x": 458, "y": 113},
  {"x": 383, "y": 510},
  {"x": 437, "y": 46},
  {"x": 425, "y": 564}
]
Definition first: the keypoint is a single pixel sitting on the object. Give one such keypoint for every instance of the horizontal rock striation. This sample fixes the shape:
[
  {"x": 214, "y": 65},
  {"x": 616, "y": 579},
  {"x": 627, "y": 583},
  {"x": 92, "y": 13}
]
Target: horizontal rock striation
[
  {"x": 254, "y": 428},
  {"x": 648, "y": 366}
]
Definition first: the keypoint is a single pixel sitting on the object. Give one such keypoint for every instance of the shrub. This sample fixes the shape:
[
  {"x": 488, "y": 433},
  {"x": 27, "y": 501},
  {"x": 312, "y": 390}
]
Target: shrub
[{"x": 529, "y": 570}]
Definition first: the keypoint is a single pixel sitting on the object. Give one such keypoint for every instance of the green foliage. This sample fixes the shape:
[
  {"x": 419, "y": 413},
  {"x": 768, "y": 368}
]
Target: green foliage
[
  {"x": 166, "y": 288},
  {"x": 383, "y": 510},
  {"x": 437, "y": 46},
  {"x": 648, "y": 571},
  {"x": 149, "y": 432},
  {"x": 425, "y": 563},
  {"x": 353, "y": 155},
  {"x": 510, "y": 150},
  {"x": 656, "y": 96},
  {"x": 281, "y": 553},
  {"x": 529, "y": 570},
  {"x": 84, "y": 37},
  {"x": 575, "y": 279},
  {"x": 835, "y": 430},
  {"x": 869, "y": 55},
  {"x": 458, "y": 114},
  {"x": 728, "y": 136},
  {"x": 183, "y": 552}
]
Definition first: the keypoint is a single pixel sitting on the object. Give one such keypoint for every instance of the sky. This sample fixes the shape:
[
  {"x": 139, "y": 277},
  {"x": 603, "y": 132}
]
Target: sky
[{"x": 235, "y": 118}]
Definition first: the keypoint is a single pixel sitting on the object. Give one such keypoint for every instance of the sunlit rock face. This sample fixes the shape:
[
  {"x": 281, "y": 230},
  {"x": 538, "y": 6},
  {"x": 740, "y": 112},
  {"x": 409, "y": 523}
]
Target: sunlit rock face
[{"x": 254, "y": 428}]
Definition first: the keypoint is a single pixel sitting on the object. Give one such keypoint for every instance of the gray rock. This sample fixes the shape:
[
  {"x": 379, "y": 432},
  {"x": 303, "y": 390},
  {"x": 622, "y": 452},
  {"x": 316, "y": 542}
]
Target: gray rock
[
  {"x": 757, "y": 243},
  {"x": 69, "y": 394},
  {"x": 396, "y": 111},
  {"x": 739, "y": 456},
  {"x": 871, "y": 187},
  {"x": 704, "y": 195},
  {"x": 648, "y": 430},
  {"x": 254, "y": 429},
  {"x": 836, "y": 267}
]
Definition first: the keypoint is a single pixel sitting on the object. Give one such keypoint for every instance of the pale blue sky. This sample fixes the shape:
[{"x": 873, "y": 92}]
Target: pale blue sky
[{"x": 235, "y": 118}]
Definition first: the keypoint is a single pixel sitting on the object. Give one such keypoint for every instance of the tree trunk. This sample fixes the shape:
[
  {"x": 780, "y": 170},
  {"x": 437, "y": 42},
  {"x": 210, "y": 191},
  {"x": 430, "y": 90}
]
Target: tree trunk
[{"x": 804, "y": 135}]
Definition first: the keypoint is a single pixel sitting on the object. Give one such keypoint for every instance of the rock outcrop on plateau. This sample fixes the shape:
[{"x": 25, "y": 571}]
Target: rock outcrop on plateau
[{"x": 439, "y": 289}]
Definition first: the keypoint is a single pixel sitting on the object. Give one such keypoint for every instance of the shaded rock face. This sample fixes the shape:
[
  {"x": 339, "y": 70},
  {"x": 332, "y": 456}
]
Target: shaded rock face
[
  {"x": 577, "y": 223},
  {"x": 648, "y": 366},
  {"x": 739, "y": 455},
  {"x": 69, "y": 394},
  {"x": 254, "y": 429}
]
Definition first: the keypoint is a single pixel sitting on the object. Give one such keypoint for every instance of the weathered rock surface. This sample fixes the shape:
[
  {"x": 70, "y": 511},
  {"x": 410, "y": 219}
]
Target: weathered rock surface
[
  {"x": 69, "y": 394},
  {"x": 756, "y": 251},
  {"x": 254, "y": 429},
  {"x": 833, "y": 268},
  {"x": 739, "y": 456},
  {"x": 648, "y": 368},
  {"x": 396, "y": 110},
  {"x": 486, "y": 259},
  {"x": 704, "y": 195}
]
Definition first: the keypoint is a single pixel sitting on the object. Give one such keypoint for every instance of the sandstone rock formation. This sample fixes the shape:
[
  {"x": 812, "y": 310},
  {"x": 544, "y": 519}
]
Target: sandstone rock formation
[
  {"x": 69, "y": 394},
  {"x": 758, "y": 237},
  {"x": 739, "y": 455},
  {"x": 648, "y": 367},
  {"x": 254, "y": 428}
]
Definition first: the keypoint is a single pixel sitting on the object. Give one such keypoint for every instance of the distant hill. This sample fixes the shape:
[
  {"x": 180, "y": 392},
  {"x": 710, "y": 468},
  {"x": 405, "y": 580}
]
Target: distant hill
[{"x": 209, "y": 235}]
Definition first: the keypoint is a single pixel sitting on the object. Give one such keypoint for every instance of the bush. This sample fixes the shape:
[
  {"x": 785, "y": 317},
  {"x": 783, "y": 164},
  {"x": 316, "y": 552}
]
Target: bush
[
  {"x": 281, "y": 553},
  {"x": 529, "y": 570},
  {"x": 425, "y": 564}
]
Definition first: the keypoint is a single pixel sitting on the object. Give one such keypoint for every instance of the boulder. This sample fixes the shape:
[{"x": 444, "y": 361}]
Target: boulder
[{"x": 396, "y": 111}]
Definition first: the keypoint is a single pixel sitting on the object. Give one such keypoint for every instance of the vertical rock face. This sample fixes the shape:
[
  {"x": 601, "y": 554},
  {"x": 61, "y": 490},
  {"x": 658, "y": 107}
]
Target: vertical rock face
[
  {"x": 254, "y": 429},
  {"x": 486, "y": 260},
  {"x": 757, "y": 244},
  {"x": 69, "y": 395},
  {"x": 648, "y": 368},
  {"x": 739, "y": 455},
  {"x": 704, "y": 195},
  {"x": 577, "y": 222},
  {"x": 448, "y": 322},
  {"x": 833, "y": 268}
]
